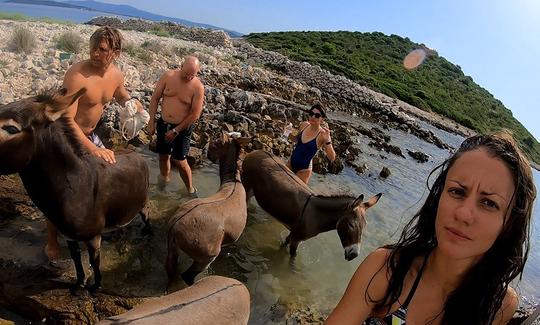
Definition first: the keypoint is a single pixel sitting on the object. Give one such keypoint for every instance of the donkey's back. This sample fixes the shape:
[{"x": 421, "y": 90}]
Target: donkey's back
[
  {"x": 277, "y": 189},
  {"x": 123, "y": 186}
]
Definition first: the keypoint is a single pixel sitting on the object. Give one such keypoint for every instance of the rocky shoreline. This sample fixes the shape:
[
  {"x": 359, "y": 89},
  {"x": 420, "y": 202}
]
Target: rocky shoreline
[{"x": 248, "y": 90}]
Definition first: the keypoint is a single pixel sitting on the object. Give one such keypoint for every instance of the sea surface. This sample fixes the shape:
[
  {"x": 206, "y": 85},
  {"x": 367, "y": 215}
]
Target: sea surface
[
  {"x": 68, "y": 14},
  {"x": 320, "y": 273}
]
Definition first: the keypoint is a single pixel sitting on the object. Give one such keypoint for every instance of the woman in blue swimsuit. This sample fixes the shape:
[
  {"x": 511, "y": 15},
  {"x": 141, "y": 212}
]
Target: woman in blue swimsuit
[
  {"x": 310, "y": 139},
  {"x": 457, "y": 256}
]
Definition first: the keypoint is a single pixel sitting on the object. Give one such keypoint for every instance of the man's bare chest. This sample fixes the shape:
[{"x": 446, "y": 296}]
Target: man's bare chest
[
  {"x": 180, "y": 91},
  {"x": 99, "y": 90}
]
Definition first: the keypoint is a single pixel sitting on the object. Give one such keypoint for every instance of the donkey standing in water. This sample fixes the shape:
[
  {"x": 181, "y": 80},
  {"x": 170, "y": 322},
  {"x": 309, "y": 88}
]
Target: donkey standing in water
[
  {"x": 82, "y": 195},
  {"x": 201, "y": 226},
  {"x": 282, "y": 194}
]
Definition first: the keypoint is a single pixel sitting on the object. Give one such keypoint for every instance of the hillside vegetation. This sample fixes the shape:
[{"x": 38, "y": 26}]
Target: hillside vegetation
[{"x": 375, "y": 60}]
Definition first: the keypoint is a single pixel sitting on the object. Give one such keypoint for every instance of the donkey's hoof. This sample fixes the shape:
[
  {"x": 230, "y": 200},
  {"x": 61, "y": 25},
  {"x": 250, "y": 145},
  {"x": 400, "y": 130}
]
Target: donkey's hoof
[
  {"x": 76, "y": 289},
  {"x": 188, "y": 278},
  {"x": 94, "y": 289}
]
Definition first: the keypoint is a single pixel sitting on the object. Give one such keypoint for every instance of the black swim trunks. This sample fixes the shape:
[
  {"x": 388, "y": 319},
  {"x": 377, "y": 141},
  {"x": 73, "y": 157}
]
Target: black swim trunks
[{"x": 179, "y": 146}]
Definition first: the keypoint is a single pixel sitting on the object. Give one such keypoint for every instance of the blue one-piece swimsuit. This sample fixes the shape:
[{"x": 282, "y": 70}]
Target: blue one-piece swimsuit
[{"x": 303, "y": 153}]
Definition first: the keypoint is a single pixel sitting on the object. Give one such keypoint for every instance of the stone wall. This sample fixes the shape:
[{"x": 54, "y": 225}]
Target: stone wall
[{"x": 210, "y": 37}]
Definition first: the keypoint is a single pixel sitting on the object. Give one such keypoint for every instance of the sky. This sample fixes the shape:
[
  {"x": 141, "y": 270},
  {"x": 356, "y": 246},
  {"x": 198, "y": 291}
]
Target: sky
[{"x": 496, "y": 42}]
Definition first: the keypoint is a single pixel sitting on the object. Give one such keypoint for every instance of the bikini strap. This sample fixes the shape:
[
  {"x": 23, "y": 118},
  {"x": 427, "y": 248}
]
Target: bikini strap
[{"x": 415, "y": 284}]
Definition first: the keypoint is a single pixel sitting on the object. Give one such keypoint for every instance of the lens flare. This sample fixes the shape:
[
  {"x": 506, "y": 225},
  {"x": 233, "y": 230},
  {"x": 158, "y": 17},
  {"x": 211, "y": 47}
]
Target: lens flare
[{"x": 414, "y": 59}]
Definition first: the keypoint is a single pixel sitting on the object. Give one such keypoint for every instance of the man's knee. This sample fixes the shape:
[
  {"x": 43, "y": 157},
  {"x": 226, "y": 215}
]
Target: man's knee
[
  {"x": 164, "y": 158},
  {"x": 182, "y": 163}
]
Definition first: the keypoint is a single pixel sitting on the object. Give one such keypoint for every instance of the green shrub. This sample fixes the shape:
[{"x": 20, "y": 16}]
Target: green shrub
[
  {"x": 22, "y": 40},
  {"x": 13, "y": 16},
  {"x": 156, "y": 46},
  {"x": 69, "y": 42},
  {"x": 159, "y": 31},
  {"x": 183, "y": 51},
  {"x": 145, "y": 56},
  {"x": 50, "y": 20},
  {"x": 129, "y": 48},
  {"x": 152, "y": 45}
]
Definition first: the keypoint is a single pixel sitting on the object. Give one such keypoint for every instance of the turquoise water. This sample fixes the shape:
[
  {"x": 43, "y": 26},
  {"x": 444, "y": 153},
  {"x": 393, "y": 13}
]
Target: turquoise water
[
  {"x": 320, "y": 273},
  {"x": 73, "y": 15}
]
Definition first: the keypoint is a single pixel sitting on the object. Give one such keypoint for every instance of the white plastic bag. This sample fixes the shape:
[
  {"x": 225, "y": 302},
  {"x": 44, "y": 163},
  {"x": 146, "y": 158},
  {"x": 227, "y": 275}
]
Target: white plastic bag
[{"x": 131, "y": 121}]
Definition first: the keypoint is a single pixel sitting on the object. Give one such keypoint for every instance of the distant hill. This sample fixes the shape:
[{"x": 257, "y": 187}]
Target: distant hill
[
  {"x": 375, "y": 60},
  {"x": 46, "y": 3},
  {"x": 130, "y": 11},
  {"x": 123, "y": 10}
]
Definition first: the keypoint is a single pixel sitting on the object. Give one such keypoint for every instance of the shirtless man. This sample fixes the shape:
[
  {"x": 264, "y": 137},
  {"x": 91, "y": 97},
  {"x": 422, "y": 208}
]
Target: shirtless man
[
  {"x": 103, "y": 81},
  {"x": 183, "y": 96}
]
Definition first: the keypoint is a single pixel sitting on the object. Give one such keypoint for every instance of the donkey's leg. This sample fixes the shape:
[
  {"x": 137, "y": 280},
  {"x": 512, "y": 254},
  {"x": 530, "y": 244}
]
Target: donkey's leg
[
  {"x": 248, "y": 189},
  {"x": 287, "y": 241},
  {"x": 197, "y": 267},
  {"x": 171, "y": 265},
  {"x": 293, "y": 246},
  {"x": 75, "y": 252},
  {"x": 94, "y": 246},
  {"x": 147, "y": 230}
]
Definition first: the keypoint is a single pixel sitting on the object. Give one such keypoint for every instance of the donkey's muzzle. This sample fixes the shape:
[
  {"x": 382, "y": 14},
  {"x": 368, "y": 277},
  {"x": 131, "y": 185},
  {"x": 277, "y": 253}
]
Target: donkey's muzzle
[{"x": 351, "y": 252}]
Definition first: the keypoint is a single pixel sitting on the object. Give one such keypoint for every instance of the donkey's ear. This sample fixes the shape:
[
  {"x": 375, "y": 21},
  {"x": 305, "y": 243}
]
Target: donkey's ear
[
  {"x": 371, "y": 202},
  {"x": 243, "y": 141},
  {"x": 60, "y": 102},
  {"x": 358, "y": 200},
  {"x": 224, "y": 137}
]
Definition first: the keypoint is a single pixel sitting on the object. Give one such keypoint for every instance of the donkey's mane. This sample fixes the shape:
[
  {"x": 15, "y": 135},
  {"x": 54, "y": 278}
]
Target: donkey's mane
[
  {"x": 46, "y": 97},
  {"x": 336, "y": 196},
  {"x": 232, "y": 168},
  {"x": 62, "y": 125}
]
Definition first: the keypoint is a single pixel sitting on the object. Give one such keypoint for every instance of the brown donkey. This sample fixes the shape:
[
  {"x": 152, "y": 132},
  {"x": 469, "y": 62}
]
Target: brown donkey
[
  {"x": 283, "y": 195},
  {"x": 201, "y": 226},
  {"x": 80, "y": 194}
]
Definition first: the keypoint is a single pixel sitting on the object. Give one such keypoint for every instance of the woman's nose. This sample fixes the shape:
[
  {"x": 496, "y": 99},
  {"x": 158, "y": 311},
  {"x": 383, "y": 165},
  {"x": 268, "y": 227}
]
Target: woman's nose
[{"x": 465, "y": 212}]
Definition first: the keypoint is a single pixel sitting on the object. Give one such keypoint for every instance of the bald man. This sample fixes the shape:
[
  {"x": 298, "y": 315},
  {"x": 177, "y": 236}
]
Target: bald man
[{"x": 182, "y": 96}]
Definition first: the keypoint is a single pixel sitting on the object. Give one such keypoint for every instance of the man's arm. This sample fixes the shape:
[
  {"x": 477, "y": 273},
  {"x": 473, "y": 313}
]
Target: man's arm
[
  {"x": 122, "y": 95},
  {"x": 195, "y": 110},
  {"x": 154, "y": 102}
]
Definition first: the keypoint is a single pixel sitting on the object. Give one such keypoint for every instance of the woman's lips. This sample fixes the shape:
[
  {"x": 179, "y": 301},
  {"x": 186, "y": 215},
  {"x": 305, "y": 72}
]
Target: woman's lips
[{"x": 457, "y": 234}]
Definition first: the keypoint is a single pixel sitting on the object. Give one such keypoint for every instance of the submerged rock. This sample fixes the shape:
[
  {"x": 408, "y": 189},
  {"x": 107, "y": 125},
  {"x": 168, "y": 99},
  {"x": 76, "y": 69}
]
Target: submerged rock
[{"x": 385, "y": 172}]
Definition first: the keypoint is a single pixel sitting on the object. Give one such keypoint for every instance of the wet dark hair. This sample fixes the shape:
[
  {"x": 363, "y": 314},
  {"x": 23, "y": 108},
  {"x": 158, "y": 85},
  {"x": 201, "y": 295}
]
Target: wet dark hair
[
  {"x": 480, "y": 295},
  {"x": 319, "y": 107},
  {"x": 111, "y": 35}
]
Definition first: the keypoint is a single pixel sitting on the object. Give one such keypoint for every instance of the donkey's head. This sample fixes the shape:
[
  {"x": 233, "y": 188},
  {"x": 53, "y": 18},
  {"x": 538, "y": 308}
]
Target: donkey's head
[
  {"x": 226, "y": 144},
  {"x": 351, "y": 224},
  {"x": 20, "y": 121},
  {"x": 227, "y": 149}
]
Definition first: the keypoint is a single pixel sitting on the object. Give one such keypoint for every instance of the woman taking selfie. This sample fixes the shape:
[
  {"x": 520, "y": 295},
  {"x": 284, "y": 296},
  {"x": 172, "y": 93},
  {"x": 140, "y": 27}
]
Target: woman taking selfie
[{"x": 457, "y": 256}]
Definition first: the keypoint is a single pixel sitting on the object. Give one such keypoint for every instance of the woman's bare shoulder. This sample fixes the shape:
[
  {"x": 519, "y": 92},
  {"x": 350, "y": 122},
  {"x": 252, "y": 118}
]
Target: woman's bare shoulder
[
  {"x": 303, "y": 124},
  {"x": 508, "y": 307},
  {"x": 367, "y": 286}
]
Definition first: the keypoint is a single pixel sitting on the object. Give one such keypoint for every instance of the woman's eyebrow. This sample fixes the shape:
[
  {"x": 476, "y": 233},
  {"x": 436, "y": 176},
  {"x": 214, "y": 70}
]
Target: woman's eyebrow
[
  {"x": 494, "y": 193},
  {"x": 483, "y": 192},
  {"x": 458, "y": 182}
]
